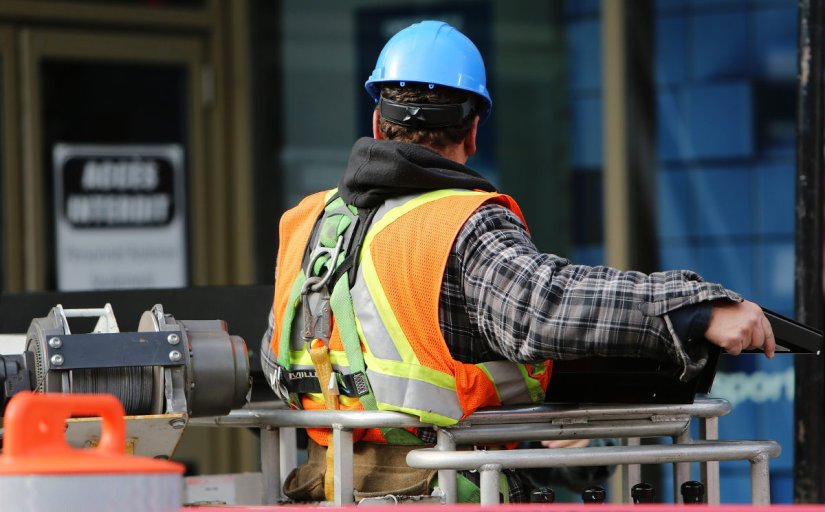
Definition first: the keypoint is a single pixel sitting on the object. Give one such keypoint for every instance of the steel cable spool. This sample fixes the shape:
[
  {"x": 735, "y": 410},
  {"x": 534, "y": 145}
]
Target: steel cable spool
[{"x": 132, "y": 385}]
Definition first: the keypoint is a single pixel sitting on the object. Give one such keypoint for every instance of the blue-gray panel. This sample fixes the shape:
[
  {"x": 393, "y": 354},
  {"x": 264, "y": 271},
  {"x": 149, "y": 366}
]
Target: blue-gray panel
[
  {"x": 719, "y": 46},
  {"x": 719, "y": 120}
]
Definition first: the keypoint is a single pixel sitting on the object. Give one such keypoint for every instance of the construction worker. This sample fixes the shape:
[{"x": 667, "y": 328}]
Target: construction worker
[{"x": 415, "y": 287}]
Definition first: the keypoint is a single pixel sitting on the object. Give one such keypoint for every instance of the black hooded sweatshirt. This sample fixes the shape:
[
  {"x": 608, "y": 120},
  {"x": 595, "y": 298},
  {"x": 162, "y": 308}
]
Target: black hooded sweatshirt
[{"x": 379, "y": 170}]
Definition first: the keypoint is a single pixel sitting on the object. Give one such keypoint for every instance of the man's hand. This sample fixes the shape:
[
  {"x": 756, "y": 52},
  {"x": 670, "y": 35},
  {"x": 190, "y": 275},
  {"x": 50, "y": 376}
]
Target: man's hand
[{"x": 739, "y": 326}]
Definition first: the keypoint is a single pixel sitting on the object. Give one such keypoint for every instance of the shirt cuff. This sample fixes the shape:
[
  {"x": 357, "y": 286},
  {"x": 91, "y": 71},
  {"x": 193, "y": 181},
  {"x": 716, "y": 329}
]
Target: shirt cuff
[{"x": 691, "y": 322}]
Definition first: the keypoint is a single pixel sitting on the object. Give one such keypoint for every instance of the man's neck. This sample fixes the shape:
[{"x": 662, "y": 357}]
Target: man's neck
[{"x": 454, "y": 152}]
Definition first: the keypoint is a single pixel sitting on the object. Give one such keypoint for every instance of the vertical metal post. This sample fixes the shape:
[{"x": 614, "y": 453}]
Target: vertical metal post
[
  {"x": 809, "y": 395},
  {"x": 289, "y": 452},
  {"x": 681, "y": 470},
  {"x": 447, "y": 477},
  {"x": 489, "y": 484},
  {"x": 760, "y": 481},
  {"x": 630, "y": 472},
  {"x": 629, "y": 128},
  {"x": 342, "y": 466},
  {"x": 271, "y": 464},
  {"x": 709, "y": 470}
]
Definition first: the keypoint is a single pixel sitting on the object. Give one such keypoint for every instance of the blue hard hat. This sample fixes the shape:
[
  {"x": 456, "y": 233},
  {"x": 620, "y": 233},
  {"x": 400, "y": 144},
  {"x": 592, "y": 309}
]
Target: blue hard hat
[{"x": 432, "y": 52}]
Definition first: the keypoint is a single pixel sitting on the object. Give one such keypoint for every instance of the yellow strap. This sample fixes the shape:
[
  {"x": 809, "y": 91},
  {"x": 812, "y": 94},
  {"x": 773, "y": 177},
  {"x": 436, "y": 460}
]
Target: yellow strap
[
  {"x": 329, "y": 475},
  {"x": 329, "y": 388}
]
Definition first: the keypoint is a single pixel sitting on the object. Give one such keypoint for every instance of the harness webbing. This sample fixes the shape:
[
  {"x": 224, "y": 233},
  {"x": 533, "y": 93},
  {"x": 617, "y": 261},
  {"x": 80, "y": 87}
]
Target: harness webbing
[
  {"x": 340, "y": 224},
  {"x": 323, "y": 368},
  {"x": 342, "y": 309}
]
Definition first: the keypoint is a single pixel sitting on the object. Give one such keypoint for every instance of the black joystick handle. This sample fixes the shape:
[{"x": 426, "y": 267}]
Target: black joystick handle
[
  {"x": 543, "y": 495},
  {"x": 643, "y": 493},
  {"x": 693, "y": 492},
  {"x": 593, "y": 494}
]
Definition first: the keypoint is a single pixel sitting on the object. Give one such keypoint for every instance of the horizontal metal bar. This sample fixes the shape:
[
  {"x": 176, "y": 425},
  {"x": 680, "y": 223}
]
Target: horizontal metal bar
[
  {"x": 544, "y": 431},
  {"x": 431, "y": 458},
  {"x": 700, "y": 408},
  {"x": 543, "y": 413},
  {"x": 85, "y": 312},
  {"x": 292, "y": 418}
]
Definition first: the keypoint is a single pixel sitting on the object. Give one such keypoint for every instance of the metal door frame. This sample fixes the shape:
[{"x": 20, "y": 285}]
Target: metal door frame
[
  {"x": 11, "y": 213},
  {"x": 39, "y": 44}
]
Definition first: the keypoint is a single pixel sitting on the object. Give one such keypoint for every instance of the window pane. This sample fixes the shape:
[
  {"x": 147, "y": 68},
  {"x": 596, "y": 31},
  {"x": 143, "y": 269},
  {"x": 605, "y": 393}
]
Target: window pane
[{"x": 726, "y": 78}]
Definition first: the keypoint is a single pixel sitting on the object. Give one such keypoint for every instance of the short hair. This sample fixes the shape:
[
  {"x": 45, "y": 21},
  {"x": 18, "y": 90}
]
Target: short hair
[{"x": 436, "y": 138}]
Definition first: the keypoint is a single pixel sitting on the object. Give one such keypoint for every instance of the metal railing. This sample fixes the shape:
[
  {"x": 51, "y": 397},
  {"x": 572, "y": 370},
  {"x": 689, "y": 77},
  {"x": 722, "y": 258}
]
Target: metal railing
[
  {"x": 490, "y": 463},
  {"x": 527, "y": 423}
]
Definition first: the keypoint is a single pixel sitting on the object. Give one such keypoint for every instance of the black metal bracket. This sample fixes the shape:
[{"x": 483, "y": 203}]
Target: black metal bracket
[{"x": 115, "y": 350}]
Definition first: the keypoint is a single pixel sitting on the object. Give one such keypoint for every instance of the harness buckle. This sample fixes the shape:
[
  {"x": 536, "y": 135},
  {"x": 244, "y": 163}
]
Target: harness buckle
[
  {"x": 278, "y": 382},
  {"x": 317, "y": 314}
]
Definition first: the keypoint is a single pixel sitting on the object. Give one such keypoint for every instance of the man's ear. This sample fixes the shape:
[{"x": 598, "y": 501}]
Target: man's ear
[
  {"x": 376, "y": 131},
  {"x": 470, "y": 139}
]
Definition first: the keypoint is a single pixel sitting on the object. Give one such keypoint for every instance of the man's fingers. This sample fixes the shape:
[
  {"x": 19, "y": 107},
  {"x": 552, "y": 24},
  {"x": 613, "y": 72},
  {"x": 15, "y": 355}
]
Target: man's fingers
[
  {"x": 769, "y": 346},
  {"x": 762, "y": 335},
  {"x": 740, "y": 326},
  {"x": 735, "y": 347},
  {"x": 757, "y": 333}
]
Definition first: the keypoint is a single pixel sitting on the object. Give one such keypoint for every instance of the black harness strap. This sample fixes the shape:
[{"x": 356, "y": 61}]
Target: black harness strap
[{"x": 352, "y": 385}]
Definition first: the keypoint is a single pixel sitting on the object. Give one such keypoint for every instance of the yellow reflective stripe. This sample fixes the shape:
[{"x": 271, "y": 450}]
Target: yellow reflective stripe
[
  {"x": 301, "y": 357},
  {"x": 425, "y": 416},
  {"x": 533, "y": 385},
  {"x": 407, "y": 370},
  {"x": 395, "y": 213}
]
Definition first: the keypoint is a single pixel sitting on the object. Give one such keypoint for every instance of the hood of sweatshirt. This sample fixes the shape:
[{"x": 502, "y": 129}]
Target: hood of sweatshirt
[{"x": 379, "y": 170}]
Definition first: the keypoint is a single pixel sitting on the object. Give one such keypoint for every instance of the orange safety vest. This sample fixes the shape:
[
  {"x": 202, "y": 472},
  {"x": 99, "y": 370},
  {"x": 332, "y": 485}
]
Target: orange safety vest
[{"x": 395, "y": 299}]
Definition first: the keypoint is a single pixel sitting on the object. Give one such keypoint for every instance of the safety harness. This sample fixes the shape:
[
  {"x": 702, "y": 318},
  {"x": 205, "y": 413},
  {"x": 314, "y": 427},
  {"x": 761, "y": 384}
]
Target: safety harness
[{"x": 324, "y": 292}]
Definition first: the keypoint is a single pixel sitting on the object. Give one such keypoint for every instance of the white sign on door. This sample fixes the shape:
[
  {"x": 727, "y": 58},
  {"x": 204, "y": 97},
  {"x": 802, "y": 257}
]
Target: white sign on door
[{"x": 120, "y": 216}]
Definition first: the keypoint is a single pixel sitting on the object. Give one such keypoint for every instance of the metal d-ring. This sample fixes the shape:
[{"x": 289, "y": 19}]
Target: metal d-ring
[{"x": 315, "y": 283}]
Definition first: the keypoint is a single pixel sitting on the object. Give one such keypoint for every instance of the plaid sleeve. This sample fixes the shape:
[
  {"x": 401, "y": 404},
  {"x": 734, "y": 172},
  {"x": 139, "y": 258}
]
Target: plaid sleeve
[{"x": 531, "y": 306}]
